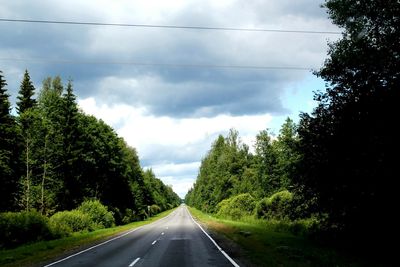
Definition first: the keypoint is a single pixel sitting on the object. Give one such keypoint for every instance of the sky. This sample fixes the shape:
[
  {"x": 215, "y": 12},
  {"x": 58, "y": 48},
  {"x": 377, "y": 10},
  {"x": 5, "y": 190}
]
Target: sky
[{"x": 163, "y": 89}]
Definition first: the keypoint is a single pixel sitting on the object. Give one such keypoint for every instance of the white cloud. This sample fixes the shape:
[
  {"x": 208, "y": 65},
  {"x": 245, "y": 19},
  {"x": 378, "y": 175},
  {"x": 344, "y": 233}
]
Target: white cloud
[
  {"x": 172, "y": 137},
  {"x": 179, "y": 185},
  {"x": 140, "y": 128}
]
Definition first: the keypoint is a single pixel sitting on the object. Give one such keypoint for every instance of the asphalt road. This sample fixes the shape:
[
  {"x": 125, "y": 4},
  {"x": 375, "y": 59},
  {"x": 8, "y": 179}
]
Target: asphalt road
[{"x": 176, "y": 241}]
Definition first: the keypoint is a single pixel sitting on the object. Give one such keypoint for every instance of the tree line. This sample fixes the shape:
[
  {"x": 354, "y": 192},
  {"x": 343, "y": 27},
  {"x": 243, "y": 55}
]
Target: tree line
[
  {"x": 339, "y": 162},
  {"x": 230, "y": 170},
  {"x": 53, "y": 157}
]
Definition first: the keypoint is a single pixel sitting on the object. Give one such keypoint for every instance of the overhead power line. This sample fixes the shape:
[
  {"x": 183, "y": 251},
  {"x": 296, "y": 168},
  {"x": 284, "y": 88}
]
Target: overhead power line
[
  {"x": 165, "y": 26},
  {"x": 156, "y": 64}
]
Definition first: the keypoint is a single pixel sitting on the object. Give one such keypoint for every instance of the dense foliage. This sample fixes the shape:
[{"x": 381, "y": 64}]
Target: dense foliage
[
  {"x": 17, "y": 228},
  {"x": 348, "y": 142},
  {"x": 53, "y": 157},
  {"x": 9, "y": 165},
  {"x": 339, "y": 165},
  {"x": 230, "y": 173}
]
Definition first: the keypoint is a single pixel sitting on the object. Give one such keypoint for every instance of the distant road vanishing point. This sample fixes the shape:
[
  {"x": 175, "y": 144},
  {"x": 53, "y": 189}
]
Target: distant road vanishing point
[{"x": 174, "y": 241}]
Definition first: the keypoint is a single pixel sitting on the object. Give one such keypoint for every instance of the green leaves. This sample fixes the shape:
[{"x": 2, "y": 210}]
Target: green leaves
[
  {"x": 348, "y": 143},
  {"x": 26, "y": 92},
  {"x": 229, "y": 170},
  {"x": 56, "y": 157},
  {"x": 9, "y": 151}
]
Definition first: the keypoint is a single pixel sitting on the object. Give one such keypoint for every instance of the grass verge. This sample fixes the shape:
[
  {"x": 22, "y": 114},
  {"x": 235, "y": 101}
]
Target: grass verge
[
  {"x": 261, "y": 245},
  {"x": 33, "y": 254}
]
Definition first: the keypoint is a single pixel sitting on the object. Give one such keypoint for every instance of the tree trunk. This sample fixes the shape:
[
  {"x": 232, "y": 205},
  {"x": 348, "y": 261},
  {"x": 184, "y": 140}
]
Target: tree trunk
[
  {"x": 27, "y": 175},
  {"x": 44, "y": 175}
]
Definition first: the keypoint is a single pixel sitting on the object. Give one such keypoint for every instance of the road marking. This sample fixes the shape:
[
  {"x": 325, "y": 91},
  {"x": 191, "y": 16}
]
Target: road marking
[
  {"x": 105, "y": 242},
  {"x": 162, "y": 233},
  {"x": 154, "y": 242},
  {"x": 212, "y": 240},
  {"x": 134, "y": 262},
  {"x": 98, "y": 245}
]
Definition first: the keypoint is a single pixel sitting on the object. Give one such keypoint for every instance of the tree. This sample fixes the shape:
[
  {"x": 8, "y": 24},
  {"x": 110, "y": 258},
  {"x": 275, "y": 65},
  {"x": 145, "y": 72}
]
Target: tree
[
  {"x": 26, "y": 92},
  {"x": 71, "y": 141},
  {"x": 266, "y": 160},
  {"x": 58, "y": 156},
  {"x": 50, "y": 147},
  {"x": 286, "y": 152},
  {"x": 347, "y": 144},
  {"x": 25, "y": 121},
  {"x": 9, "y": 152},
  {"x": 224, "y": 172}
]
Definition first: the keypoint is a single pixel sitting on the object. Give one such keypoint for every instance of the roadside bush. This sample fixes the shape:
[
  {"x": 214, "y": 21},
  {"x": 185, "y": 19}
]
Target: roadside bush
[
  {"x": 64, "y": 223},
  {"x": 236, "y": 207},
  {"x": 129, "y": 216},
  {"x": 154, "y": 209},
  {"x": 98, "y": 214},
  {"x": 18, "y": 228},
  {"x": 278, "y": 206}
]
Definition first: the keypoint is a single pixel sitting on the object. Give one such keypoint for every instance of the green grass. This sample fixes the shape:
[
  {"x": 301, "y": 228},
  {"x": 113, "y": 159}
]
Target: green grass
[
  {"x": 32, "y": 254},
  {"x": 262, "y": 245}
]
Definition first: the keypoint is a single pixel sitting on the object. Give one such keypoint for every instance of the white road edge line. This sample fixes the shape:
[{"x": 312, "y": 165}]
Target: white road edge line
[
  {"x": 105, "y": 242},
  {"x": 155, "y": 241},
  {"x": 212, "y": 240},
  {"x": 134, "y": 262}
]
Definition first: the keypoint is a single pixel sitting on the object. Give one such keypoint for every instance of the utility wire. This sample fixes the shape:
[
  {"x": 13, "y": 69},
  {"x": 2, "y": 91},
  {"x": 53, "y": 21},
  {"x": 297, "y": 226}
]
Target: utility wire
[
  {"x": 175, "y": 65},
  {"x": 165, "y": 26}
]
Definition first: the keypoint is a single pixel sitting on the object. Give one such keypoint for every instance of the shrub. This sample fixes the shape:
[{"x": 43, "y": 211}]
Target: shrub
[
  {"x": 129, "y": 216},
  {"x": 278, "y": 206},
  {"x": 18, "y": 228},
  {"x": 236, "y": 207},
  {"x": 154, "y": 209},
  {"x": 98, "y": 214},
  {"x": 64, "y": 223}
]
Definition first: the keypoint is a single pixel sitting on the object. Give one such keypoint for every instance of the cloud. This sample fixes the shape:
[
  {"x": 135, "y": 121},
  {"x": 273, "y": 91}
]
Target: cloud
[
  {"x": 170, "y": 114},
  {"x": 172, "y": 147},
  {"x": 140, "y": 128},
  {"x": 179, "y": 176},
  {"x": 172, "y": 91},
  {"x": 192, "y": 98}
]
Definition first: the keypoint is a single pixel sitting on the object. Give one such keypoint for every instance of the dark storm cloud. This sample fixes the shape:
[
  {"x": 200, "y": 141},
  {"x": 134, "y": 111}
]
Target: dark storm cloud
[
  {"x": 171, "y": 91},
  {"x": 198, "y": 97}
]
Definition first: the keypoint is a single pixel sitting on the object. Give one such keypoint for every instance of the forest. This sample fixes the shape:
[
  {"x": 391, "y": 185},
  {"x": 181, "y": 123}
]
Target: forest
[
  {"x": 336, "y": 168},
  {"x": 57, "y": 162}
]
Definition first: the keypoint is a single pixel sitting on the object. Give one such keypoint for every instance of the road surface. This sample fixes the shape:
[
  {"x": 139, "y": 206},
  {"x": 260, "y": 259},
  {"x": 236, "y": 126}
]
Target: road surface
[{"x": 176, "y": 241}]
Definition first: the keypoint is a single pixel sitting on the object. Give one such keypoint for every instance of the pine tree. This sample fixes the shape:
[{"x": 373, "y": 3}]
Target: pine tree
[
  {"x": 72, "y": 195},
  {"x": 27, "y": 90},
  {"x": 8, "y": 151},
  {"x": 24, "y": 106}
]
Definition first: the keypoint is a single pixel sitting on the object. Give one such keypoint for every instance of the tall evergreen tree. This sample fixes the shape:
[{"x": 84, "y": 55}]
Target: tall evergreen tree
[
  {"x": 26, "y": 92},
  {"x": 72, "y": 194},
  {"x": 8, "y": 152},
  {"x": 24, "y": 105}
]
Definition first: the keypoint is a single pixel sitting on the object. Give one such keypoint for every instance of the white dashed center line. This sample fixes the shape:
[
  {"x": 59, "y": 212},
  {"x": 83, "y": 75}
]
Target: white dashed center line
[
  {"x": 154, "y": 242},
  {"x": 134, "y": 262}
]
